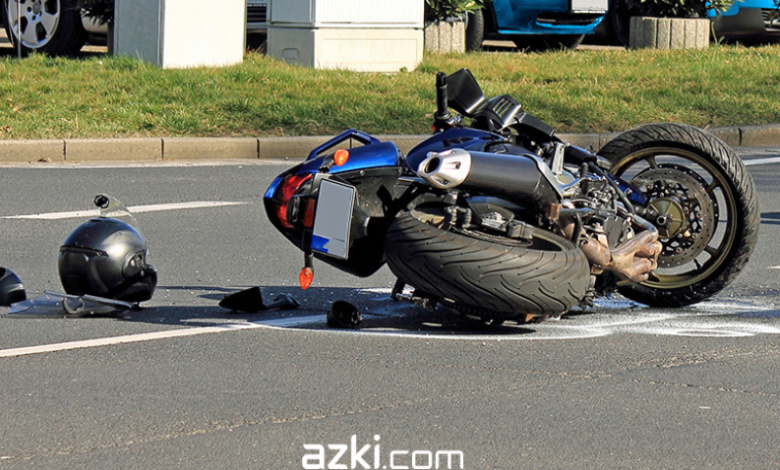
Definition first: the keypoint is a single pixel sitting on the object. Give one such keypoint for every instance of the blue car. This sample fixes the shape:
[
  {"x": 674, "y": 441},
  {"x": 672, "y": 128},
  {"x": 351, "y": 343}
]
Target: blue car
[
  {"x": 752, "y": 20},
  {"x": 535, "y": 24},
  {"x": 746, "y": 20}
]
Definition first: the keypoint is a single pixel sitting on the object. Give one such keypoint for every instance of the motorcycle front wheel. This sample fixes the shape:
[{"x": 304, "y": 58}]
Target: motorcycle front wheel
[
  {"x": 488, "y": 276},
  {"x": 703, "y": 202}
]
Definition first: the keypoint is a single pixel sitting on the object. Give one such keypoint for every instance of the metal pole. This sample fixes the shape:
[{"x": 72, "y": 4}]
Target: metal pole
[{"x": 18, "y": 28}]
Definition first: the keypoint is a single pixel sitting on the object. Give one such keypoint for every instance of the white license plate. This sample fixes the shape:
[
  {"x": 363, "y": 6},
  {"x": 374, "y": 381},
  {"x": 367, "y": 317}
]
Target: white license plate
[
  {"x": 589, "y": 6},
  {"x": 333, "y": 218}
]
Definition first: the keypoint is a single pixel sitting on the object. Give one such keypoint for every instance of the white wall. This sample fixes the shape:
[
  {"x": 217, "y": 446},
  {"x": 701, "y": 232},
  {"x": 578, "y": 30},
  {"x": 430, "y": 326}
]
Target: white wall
[
  {"x": 181, "y": 33},
  {"x": 360, "y": 35}
]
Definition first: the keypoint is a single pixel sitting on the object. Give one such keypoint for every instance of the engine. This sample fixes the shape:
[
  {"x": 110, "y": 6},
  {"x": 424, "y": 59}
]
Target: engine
[
  {"x": 508, "y": 195},
  {"x": 595, "y": 214}
]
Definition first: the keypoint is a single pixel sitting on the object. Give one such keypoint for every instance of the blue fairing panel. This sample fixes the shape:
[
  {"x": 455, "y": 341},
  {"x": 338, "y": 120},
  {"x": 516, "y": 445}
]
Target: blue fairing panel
[
  {"x": 379, "y": 155},
  {"x": 459, "y": 137},
  {"x": 374, "y": 155}
]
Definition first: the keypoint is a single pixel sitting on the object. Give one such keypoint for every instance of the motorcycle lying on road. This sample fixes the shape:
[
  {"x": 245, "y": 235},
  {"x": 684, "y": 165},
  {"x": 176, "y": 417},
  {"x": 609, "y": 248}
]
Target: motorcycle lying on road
[{"x": 502, "y": 220}]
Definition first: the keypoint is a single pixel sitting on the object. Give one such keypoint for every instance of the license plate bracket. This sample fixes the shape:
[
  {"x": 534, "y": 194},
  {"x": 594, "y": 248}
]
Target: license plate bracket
[{"x": 333, "y": 218}]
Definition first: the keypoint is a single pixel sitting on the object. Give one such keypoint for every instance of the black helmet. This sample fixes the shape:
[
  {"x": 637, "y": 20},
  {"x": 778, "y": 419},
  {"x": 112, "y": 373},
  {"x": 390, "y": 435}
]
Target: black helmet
[
  {"x": 11, "y": 288},
  {"x": 106, "y": 257}
]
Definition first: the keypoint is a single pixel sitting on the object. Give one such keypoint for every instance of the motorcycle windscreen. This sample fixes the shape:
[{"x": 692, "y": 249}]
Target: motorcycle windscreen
[
  {"x": 111, "y": 207},
  {"x": 330, "y": 234}
]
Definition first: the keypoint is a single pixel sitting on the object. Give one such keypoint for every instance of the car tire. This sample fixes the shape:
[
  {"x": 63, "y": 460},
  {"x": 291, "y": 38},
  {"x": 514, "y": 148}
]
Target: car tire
[
  {"x": 66, "y": 37},
  {"x": 475, "y": 31}
]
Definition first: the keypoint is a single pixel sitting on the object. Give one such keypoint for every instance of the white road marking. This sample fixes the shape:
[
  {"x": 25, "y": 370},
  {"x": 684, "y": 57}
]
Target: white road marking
[
  {"x": 290, "y": 322},
  {"x": 762, "y": 161},
  {"x": 161, "y": 164},
  {"x": 92, "y": 343},
  {"x": 712, "y": 319},
  {"x": 133, "y": 209},
  {"x": 708, "y": 319},
  {"x": 158, "y": 335}
]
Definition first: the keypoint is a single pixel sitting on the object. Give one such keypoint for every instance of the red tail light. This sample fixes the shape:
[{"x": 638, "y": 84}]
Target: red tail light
[{"x": 290, "y": 185}]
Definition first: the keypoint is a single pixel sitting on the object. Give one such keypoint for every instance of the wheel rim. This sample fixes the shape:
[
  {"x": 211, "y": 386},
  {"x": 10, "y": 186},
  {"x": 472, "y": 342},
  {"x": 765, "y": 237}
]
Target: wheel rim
[
  {"x": 701, "y": 199},
  {"x": 36, "y": 19}
]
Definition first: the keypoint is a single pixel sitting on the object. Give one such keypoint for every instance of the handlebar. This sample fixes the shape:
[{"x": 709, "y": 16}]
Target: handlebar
[
  {"x": 442, "y": 119},
  {"x": 442, "y": 111}
]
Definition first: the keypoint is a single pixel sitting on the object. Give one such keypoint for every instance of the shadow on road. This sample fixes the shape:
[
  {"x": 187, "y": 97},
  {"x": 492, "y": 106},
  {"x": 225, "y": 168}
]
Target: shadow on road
[{"x": 379, "y": 312}]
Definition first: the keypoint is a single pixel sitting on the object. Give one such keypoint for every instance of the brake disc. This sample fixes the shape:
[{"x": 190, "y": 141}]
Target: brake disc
[{"x": 687, "y": 214}]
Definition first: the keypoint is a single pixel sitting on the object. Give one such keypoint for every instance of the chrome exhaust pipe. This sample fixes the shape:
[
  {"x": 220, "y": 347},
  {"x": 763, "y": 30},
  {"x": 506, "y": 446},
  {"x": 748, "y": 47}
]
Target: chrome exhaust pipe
[
  {"x": 445, "y": 170},
  {"x": 508, "y": 175}
]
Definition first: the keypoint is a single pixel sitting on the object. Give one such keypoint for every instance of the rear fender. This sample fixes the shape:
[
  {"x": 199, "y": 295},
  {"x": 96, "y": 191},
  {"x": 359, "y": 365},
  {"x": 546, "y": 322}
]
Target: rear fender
[{"x": 373, "y": 169}]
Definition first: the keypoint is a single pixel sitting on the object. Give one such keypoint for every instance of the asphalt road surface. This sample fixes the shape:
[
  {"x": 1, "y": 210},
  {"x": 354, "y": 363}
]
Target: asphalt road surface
[{"x": 183, "y": 383}]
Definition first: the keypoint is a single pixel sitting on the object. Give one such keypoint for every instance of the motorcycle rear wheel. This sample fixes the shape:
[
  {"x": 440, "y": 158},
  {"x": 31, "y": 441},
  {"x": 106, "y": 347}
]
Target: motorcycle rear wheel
[
  {"x": 494, "y": 278},
  {"x": 700, "y": 181}
]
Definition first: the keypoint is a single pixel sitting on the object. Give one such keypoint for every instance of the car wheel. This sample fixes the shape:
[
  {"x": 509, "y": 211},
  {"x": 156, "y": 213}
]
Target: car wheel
[
  {"x": 48, "y": 26},
  {"x": 475, "y": 31}
]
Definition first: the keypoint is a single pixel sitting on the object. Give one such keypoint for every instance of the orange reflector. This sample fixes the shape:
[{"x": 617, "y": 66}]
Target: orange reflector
[
  {"x": 305, "y": 277},
  {"x": 340, "y": 157}
]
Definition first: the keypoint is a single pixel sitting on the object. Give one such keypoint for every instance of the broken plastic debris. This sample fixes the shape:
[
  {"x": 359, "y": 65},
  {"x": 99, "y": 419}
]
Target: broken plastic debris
[
  {"x": 248, "y": 300},
  {"x": 343, "y": 314},
  {"x": 251, "y": 301}
]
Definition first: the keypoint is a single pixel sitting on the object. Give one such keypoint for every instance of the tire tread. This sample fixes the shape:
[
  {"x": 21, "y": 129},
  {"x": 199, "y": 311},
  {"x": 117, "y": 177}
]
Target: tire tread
[{"x": 506, "y": 280}]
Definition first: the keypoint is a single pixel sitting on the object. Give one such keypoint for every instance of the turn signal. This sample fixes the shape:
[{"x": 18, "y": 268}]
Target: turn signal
[
  {"x": 340, "y": 157},
  {"x": 305, "y": 278}
]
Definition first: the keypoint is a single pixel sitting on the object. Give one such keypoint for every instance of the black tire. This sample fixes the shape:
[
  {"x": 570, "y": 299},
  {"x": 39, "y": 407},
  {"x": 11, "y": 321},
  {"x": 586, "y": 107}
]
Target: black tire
[
  {"x": 549, "y": 42},
  {"x": 492, "y": 277},
  {"x": 65, "y": 38},
  {"x": 475, "y": 31},
  {"x": 619, "y": 18},
  {"x": 719, "y": 209}
]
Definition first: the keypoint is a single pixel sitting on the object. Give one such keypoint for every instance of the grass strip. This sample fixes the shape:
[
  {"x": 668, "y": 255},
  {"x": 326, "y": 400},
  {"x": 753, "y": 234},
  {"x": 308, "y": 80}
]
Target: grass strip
[{"x": 574, "y": 91}]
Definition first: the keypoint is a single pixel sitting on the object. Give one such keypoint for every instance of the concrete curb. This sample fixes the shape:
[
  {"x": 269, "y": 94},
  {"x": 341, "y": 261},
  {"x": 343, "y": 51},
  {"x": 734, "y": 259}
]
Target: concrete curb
[{"x": 154, "y": 149}]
